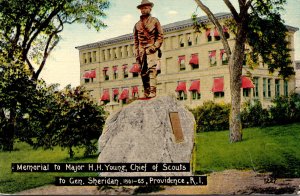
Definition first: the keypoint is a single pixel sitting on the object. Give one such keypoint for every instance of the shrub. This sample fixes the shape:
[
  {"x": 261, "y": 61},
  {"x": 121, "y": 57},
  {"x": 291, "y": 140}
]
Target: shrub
[
  {"x": 285, "y": 109},
  {"x": 254, "y": 115},
  {"x": 212, "y": 116}
]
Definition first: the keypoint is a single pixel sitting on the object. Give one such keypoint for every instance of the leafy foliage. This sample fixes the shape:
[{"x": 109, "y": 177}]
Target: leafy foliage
[
  {"x": 66, "y": 118},
  {"x": 212, "y": 117},
  {"x": 30, "y": 29},
  {"x": 285, "y": 109},
  {"x": 254, "y": 115},
  {"x": 16, "y": 95},
  {"x": 257, "y": 23}
]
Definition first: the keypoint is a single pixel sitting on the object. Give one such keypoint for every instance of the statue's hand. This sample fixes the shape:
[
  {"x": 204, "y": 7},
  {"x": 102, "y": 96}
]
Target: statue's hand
[{"x": 151, "y": 50}]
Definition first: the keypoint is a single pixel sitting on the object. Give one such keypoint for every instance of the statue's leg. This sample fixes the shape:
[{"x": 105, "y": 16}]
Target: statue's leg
[
  {"x": 152, "y": 62},
  {"x": 145, "y": 77}
]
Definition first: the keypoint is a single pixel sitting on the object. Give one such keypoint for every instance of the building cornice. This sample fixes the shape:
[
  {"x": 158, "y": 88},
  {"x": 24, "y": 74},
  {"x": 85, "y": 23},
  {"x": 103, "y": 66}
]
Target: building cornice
[{"x": 167, "y": 28}]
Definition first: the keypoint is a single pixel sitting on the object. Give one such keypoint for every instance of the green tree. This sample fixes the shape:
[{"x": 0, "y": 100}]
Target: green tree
[
  {"x": 30, "y": 29},
  {"x": 67, "y": 118},
  {"x": 253, "y": 23},
  {"x": 16, "y": 94}
]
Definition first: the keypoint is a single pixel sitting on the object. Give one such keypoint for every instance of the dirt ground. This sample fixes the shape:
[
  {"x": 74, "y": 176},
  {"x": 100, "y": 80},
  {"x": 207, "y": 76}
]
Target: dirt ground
[{"x": 225, "y": 182}]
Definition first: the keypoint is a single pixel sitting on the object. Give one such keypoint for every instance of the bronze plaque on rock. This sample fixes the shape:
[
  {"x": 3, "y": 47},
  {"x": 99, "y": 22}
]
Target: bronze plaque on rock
[{"x": 176, "y": 127}]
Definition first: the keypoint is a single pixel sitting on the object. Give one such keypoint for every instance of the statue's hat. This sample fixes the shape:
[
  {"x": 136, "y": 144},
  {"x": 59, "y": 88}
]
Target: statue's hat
[{"x": 144, "y": 3}]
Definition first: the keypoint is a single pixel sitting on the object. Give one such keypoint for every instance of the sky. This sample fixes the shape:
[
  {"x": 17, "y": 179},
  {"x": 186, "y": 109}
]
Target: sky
[{"x": 63, "y": 64}]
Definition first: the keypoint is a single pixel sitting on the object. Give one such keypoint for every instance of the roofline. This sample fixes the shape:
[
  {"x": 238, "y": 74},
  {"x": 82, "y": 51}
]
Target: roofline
[
  {"x": 291, "y": 28},
  {"x": 167, "y": 28}
]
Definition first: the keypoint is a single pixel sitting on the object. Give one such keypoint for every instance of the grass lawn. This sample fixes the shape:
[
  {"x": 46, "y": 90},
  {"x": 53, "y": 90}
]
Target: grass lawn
[
  {"x": 273, "y": 149},
  {"x": 11, "y": 182}
]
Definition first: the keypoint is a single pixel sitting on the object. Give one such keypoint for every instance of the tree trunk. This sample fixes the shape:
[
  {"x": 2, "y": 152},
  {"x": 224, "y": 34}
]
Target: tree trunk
[
  {"x": 9, "y": 132},
  {"x": 71, "y": 152},
  {"x": 235, "y": 68}
]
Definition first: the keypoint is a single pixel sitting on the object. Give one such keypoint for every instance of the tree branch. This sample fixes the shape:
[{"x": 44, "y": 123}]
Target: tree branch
[
  {"x": 215, "y": 21},
  {"x": 232, "y": 10},
  {"x": 45, "y": 56}
]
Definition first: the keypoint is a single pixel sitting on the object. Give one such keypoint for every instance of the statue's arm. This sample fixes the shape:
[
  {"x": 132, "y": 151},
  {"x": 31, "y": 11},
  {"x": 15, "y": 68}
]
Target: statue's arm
[{"x": 159, "y": 35}]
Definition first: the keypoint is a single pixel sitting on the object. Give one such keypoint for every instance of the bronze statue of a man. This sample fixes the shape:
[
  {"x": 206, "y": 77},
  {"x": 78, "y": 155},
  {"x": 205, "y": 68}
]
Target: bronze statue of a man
[{"x": 148, "y": 38}]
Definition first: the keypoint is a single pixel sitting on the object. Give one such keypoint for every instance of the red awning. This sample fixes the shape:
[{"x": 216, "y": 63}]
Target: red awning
[
  {"x": 225, "y": 29},
  {"x": 115, "y": 91},
  {"x": 222, "y": 51},
  {"x": 93, "y": 74},
  {"x": 207, "y": 32},
  {"x": 181, "y": 87},
  {"x": 135, "y": 68},
  {"x": 105, "y": 96},
  {"x": 194, "y": 59},
  {"x": 246, "y": 82},
  {"x": 124, "y": 94},
  {"x": 181, "y": 58},
  {"x": 212, "y": 53},
  {"x": 86, "y": 75},
  {"x": 218, "y": 85},
  {"x": 216, "y": 33},
  {"x": 115, "y": 68},
  {"x": 195, "y": 86},
  {"x": 135, "y": 89}
]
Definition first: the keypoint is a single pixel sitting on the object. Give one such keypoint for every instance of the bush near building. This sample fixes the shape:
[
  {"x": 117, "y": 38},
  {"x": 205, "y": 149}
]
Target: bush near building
[
  {"x": 215, "y": 117},
  {"x": 212, "y": 116}
]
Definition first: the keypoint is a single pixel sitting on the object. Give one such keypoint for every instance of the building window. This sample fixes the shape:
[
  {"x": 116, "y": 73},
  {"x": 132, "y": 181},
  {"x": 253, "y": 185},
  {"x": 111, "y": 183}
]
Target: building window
[
  {"x": 109, "y": 54},
  {"x": 94, "y": 56},
  {"x": 269, "y": 87},
  {"x": 277, "y": 87},
  {"x": 194, "y": 62},
  {"x": 115, "y": 69},
  {"x": 212, "y": 58},
  {"x": 225, "y": 30},
  {"x": 135, "y": 74},
  {"x": 181, "y": 43},
  {"x": 181, "y": 61},
  {"x": 124, "y": 95},
  {"x": 181, "y": 95},
  {"x": 197, "y": 39},
  {"x": 286, "y": 88},
  {"x": 218, "y": 94},
  {"x": 105, "y": 74},
  {"x": 208, "y": 35},
  {"x": 218, "y": 87},
  {"x": 216, "y": 34},
  {"x": 181, "y": 91},
  {"x": 125, "y": 71},
  {"x": 103, "y": 55},
  {"x": 265, "y": 87},
  {"x": 89, "y": 57},
  {"x": 246, "y": 92},
  {"x": 223, "y": 57},
  {"x": 190, "y": 43},
  {"x": 255, "y": 90},
  {"x": 135, "y": 92},
  {"x": 116, "y": 94},
  {"x": 84, "y": 58},
  {"x": 196, "y": 95}
]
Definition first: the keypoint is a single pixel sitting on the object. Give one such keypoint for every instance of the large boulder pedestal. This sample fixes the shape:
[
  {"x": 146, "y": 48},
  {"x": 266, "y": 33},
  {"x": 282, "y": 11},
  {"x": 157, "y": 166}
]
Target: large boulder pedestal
[{"x": 142, "y": 133}]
